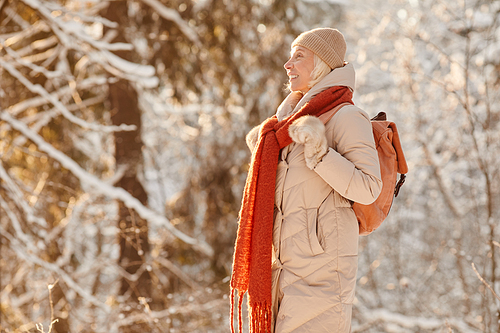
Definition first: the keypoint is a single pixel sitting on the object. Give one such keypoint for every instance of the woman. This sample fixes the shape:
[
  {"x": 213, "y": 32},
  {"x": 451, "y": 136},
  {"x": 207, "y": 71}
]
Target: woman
[{"x": 297, "y": 244}]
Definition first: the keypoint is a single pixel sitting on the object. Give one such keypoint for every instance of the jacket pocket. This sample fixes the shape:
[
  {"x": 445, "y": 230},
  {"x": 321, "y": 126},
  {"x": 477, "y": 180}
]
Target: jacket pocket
[{"x": 312, "y": 228}]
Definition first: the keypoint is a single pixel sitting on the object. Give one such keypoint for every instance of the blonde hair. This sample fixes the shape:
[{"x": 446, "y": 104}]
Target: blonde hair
[{"x": 320, "y": 70}]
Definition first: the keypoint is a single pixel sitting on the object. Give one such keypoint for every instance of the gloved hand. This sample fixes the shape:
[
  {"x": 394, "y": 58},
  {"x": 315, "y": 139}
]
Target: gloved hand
[
  {"x": 252, "y": 137},
  {"x": 310, "y": 131}
]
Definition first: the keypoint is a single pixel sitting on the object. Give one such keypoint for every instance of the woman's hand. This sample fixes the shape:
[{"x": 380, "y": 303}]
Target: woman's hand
[{"x": 310, "y": 131}]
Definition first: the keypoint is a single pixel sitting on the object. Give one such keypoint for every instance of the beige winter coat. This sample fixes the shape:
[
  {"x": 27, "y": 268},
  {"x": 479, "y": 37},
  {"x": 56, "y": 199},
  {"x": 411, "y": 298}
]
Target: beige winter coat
[{"x": 315, "y": 237}]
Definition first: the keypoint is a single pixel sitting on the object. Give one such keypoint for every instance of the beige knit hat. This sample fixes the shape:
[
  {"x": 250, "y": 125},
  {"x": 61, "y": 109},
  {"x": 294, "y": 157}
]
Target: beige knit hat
[{"x": 327, "y": 43}]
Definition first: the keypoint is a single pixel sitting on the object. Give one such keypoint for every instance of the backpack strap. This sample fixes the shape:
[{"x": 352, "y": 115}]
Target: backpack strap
[
  {"x": 381, "y": 116},
  {"x": 325, "y": 117},
  {"x": 402, "y": 166},
  {"x": 400, "y": 183}
]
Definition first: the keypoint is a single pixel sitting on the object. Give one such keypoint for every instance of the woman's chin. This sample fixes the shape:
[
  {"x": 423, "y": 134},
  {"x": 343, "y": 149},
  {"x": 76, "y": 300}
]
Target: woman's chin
[{"x": 297, "y": 88}]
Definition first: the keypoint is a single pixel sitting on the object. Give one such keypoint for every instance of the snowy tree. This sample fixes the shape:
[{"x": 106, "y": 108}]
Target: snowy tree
[
  {"x": 125, "y": 121},
  {"x": 432, "y": 65},
  {"x": 58, "y": 167},
  {"x": 68, "y": 72}
]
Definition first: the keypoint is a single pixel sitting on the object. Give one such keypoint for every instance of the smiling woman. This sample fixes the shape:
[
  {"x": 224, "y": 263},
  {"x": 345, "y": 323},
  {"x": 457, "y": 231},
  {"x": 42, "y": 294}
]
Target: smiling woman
[
  {"x": 299, "y": 69},
  {"x": 297, "y": 245},
  {"x": 320, "y": 70}
]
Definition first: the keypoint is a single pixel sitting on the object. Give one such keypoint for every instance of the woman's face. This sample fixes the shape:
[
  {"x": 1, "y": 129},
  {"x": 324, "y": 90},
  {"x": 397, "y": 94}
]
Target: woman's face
[{"x": 299, "y": 68}]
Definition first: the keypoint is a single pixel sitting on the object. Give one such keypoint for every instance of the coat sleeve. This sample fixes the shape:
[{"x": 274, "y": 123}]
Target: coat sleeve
[{"x": 352, "y": 169}]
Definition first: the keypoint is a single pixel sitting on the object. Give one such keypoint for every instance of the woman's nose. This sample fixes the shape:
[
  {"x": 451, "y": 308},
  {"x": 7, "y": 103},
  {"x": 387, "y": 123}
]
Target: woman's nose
[{"x": 288, "y": 64}]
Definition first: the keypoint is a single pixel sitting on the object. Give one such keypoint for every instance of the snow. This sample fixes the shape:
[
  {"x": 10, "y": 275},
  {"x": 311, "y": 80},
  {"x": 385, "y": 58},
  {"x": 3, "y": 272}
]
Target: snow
[
  {"x": 411, "y": 58},
  {"x": 93, "y": 184},
  {"x": 54, "y": 268},
  {"x": 41, "y": 100},
  {"x": 38, "y": 89}
]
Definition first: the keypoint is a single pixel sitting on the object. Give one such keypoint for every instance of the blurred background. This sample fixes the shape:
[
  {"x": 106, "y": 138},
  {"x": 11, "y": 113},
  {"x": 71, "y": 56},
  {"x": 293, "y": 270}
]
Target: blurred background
[{"x": 123, "y": 157}]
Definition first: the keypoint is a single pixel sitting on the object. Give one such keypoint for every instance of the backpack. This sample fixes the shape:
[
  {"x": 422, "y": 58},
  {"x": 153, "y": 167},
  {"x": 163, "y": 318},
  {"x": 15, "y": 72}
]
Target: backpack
[{"x": 392, "y": 161}]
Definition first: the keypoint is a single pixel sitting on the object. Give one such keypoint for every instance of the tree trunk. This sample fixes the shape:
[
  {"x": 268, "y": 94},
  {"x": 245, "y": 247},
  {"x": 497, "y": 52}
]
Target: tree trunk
[
  {"x": 133, "y": 237},
  {"x": 134, "y": 244}
]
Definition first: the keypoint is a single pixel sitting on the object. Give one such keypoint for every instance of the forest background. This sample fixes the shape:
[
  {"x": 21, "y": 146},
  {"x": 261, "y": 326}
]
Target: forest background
[{"x": 123, "y": 157}]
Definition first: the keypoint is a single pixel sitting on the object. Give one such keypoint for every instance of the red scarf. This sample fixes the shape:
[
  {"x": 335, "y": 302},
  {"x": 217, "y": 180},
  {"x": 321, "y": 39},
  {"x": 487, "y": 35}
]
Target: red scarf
[{"x": 252, "y": 254}]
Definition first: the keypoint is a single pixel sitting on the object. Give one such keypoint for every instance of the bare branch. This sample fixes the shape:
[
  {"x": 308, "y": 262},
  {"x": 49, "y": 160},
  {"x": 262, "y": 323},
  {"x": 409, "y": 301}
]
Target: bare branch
[
  {"x": 177, "y": 271},
  {"x": 448, "y": 198},
  {"x": 52, "y": 320},
  {"x": 484, "y": 282}
]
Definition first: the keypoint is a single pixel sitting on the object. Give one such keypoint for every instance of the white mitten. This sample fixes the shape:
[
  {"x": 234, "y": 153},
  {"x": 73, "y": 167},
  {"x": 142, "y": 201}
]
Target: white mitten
[
  {"x": 310, "y": 131},
  {"x": 252, "y": 137}
]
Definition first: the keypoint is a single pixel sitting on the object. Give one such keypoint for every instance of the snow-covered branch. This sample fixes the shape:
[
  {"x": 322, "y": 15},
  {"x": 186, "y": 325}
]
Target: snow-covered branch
[
  {"x": 41, "y": 100},
  {"x": 38, "y": 89},
  {"x": 17, "y": 18},
  {"x": 93, "y": 184},
  {"x": 119, "y": 67},
  {"x": 41, "y": 119},
  {"x": 25, "y": 34},
  {"x": 61, "y": 27},
  {"x": 15, "y": 223},
  {"x": 17, "y": 196},
  {"x": 86, "y": 18},
  {"x": 32, "y": 258},
  {"x": 35, "y": 68},
  {"x": 173, "y": 15},
  {"x": 71, "y": 34}
]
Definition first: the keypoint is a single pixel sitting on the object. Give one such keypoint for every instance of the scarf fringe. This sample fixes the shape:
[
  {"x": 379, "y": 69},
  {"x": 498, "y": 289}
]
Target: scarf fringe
[
  {"x": 231, "y": 317},
  {"x": 260, "y": 315},
  {"x": 240, "y": 306},
  {"x": 260, "y": 318}
]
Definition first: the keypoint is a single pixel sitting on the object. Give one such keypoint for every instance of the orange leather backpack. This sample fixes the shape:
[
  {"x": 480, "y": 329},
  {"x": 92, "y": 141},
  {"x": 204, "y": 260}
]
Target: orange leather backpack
[{"x": 392, "y": 161}]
